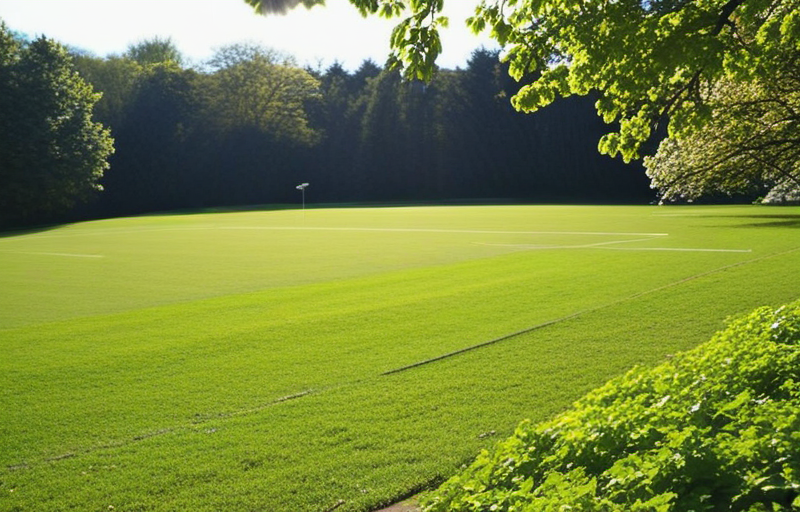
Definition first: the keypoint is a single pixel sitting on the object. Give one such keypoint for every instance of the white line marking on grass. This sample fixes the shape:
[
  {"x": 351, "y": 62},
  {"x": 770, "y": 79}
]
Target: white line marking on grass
[
  {"x": 426, "y": 230},
  {"x": 581, "y": 246},
  {"x": 125, "y": 231},
  {"x": 65, "y": 254},
  {"x": 680, "y": 249},
  {"x": 604, "y": 245}
]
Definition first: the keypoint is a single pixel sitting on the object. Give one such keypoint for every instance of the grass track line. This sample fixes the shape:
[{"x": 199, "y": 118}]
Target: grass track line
[
  {"x": 65, "y": 254},
  {"x": 676, "y": 249},
  {"x": 604, "y": 245},
  {"x": 583, "y": 312},
  {"x": 162, "y": 431},
  {"x": 431, "y": 230},
  {"x": 581, "y": 246}
]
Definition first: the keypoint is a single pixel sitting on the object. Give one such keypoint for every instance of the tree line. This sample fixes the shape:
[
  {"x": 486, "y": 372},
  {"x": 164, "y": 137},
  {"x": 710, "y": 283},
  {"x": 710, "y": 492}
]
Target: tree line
[
  {"x": 249, "y": 124},
  {"x": 707, "y": 92}
]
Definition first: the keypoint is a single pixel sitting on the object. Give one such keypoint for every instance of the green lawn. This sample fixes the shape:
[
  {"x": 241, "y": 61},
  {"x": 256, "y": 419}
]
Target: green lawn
[{"x": 238, "y": 361}]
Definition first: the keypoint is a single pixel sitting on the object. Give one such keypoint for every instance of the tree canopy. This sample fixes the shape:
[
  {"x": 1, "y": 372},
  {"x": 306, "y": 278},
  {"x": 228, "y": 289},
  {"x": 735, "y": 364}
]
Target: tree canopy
[
  {"x": 650, "y": 62},
  {"x": 154, "y": 51},
  {"x": 52, "y": 153},
  {"x": 751, "y": 138},
  {"x": 258, "y": 87}
]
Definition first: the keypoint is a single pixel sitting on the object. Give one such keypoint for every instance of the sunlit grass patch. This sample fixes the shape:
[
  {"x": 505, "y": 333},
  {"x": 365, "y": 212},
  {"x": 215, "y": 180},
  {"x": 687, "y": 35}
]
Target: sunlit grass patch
[{"x": 236, "y": 361}]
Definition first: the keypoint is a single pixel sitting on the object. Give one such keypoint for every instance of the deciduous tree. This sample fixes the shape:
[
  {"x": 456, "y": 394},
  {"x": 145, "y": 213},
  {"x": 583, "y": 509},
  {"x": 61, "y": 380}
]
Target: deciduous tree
[
  {"x": 257, "y": 87},
  {"x": 751, "y": 141},
  {"x": 52, "y": 154},
  {"x": 155, "y": 51}
]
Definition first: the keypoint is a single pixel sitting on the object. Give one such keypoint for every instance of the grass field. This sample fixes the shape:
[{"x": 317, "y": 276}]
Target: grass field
[{"x": 270, "y": 361}]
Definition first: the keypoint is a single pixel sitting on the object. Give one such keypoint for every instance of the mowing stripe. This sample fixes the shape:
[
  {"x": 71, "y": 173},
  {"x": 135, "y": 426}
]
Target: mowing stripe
[
  {"x": 699, "y": 214},
  {"x": 427, "y": 230},
  {"x": 582, "y": 312},
  {"x": 169, "y": 430},
  {"x": 602, "y": 245},
  {"x": 679, "y": 249},
  {"x": 280, "y": 400},
  {"x": 581, "y": 246},
  {"x": 123, "y": 231},
  {"x": 66, "y": 254}
]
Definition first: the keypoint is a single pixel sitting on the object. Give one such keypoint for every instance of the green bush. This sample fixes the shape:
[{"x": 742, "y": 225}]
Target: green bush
[{"x": 716, "y": 428}]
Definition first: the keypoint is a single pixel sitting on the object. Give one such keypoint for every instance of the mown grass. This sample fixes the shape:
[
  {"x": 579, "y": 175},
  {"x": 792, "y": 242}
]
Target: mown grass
[{"x": 235, "y": 361}]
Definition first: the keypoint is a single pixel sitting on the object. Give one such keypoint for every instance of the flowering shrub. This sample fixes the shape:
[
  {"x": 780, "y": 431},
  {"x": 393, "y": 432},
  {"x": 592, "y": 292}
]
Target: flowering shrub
[{"x": 715, "y": 428}]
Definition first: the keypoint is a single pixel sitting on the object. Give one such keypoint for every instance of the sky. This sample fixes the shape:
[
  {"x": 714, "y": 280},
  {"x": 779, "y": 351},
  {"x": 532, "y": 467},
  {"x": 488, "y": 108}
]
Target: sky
[{"x": 317, "y": 37}]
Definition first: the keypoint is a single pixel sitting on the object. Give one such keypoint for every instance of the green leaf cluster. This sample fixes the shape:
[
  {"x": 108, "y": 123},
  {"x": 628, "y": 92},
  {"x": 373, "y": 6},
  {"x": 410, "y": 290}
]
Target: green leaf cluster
[
  {"x": 257, "y": 87},
  {"x": 648, "y": 61},
  {"x": 52, "y": 153},
  {"x": 750, "y": 138},
  {"x": 716, "y": 428}
]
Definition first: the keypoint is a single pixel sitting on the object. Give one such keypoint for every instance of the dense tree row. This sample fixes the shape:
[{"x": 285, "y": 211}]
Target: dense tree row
[
  {"x": 249, "y": 124},
  {"x": 716, "y": 81},
  {"x": 458, "y": 137}
]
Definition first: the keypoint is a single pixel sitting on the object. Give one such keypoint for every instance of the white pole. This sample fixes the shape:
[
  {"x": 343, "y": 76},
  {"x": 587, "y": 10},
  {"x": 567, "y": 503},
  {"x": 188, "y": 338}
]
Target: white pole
[{"x": 302, "y": 188}]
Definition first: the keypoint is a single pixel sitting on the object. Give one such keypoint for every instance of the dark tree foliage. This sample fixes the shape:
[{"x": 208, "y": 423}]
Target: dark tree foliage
[
  {"x": 234, "y": 134},
  {"x": 216, "y": 137},
  {"x": 459, "y": 138},
  {"x": 149, "y": 169},
  {"x": 117, "y": 78},
  {"x": 52, "y": 154}
]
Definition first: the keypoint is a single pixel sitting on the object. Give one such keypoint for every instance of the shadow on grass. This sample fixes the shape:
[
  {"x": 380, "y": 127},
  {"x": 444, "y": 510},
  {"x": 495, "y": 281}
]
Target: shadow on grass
[
  {"x": 28, "y": 230},
  {"x": 218, "y": 209},
  {"x": 788, "y": 220},
  {"x": 771, "y": 221}
]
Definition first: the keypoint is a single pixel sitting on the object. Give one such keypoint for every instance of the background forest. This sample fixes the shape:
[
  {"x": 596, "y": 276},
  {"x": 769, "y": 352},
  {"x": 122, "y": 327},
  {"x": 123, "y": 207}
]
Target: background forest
[{"x": 248, "y": 125}]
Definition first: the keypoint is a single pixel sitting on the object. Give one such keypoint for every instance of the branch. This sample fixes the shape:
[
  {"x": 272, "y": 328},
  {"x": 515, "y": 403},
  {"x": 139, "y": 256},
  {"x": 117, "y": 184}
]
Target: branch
[
  {"x": 786, "y": 174},
  {"x": 725, "y": 16},
  {"x": 692, "y": 83}
]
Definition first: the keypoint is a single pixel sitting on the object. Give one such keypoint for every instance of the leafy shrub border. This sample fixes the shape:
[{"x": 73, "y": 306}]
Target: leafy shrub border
[{"x": 715, "y": 428}]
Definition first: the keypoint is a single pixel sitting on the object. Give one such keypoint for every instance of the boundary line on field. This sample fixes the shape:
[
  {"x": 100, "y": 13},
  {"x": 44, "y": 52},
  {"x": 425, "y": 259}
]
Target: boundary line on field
[
  {"x": 675, "y": 249},
  {"x": 583, "y": 312},
  {"x": 580, "y": 246},
  {"x": 604, "y": 245},
  {"x": 434, "y": 230}
]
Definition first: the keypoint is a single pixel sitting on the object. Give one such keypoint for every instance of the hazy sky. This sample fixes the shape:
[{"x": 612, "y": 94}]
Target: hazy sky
[{"x": 315, "y": 37}]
